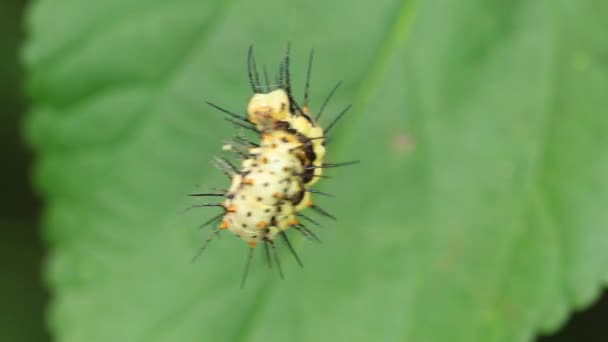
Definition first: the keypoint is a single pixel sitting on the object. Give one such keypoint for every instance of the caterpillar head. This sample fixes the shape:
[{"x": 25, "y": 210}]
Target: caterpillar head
[{"x": 264, "y": 110}]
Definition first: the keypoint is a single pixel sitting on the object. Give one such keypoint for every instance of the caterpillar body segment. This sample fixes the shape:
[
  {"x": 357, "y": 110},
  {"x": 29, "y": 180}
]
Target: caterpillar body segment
[
  {"x": 263, "y": 198},
  {"x": 269, "y": 112}
]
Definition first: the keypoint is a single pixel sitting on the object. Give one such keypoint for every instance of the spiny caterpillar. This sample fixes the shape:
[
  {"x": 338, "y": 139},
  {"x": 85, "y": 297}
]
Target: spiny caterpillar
[{"x": 273, "y": 185}]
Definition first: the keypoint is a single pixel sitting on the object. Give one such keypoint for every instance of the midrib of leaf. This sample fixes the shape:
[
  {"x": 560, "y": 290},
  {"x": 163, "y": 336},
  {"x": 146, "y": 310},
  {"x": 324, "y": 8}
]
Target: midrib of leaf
[{"x": 395, "y": 36}]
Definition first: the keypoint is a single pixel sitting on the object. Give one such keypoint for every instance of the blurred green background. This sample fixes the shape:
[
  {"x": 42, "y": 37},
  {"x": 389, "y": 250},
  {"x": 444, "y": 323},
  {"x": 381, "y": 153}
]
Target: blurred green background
[{"x": 456, "y": 104}]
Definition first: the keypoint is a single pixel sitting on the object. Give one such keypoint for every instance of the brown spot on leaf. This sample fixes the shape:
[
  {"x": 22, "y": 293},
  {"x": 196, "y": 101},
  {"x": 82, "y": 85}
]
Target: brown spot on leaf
[{"x": 404, "y": 143}]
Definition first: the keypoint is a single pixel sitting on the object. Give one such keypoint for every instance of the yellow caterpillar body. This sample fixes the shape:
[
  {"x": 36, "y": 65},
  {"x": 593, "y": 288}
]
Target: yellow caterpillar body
[{"x": 273, "y": 183}]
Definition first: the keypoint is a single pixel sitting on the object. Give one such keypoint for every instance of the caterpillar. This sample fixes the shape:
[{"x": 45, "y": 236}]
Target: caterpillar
[{"x": 273, "y": 184}]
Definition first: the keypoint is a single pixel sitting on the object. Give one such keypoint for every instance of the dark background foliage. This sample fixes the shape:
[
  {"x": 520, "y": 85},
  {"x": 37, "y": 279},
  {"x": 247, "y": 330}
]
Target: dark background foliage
[{"x": 22, "y": 291}]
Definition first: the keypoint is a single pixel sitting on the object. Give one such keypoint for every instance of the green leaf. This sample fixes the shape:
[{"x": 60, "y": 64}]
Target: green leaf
[{"x": 475, "y": 215}]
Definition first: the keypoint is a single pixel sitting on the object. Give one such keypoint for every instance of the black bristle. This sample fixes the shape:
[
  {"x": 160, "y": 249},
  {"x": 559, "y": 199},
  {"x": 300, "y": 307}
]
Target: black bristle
[
  {"x": 229, "y": 164},
  {"x": 203, "y": 206},
  {"x": 246, "y": 141},
  {"x": 250, "y": 69},
  {"x": 338, "y": 117},
  {"x": 226, "y": 111},
  {"x": 291, "y": 249},
  {"x": 322, "y": 212},
  {"x": 318, "y": 176},
  {"x": 308, "y": 75},
  {"x": 213, "y": 234},
  {"x": 332, "y": 165},
  {"x": 212, "y": 220},
  {"x": 206, "y": 195},
  {"x": 251, "y": 128},
  {"x": 308, "y": 219},
  {"x": 247, "y": 265},
  {"x": 256, "y": 75},
  {"x": 307, "y": 232},
  {"x": 313, "y": 191},
  {"x": 281, "y": 77},
  {"x": 277, "y": 261},
  {"x": 287, "y": 70},
  {"x": 327, "y": 99},
  {"x": 266, "y": 80},
  {"x": 267, "y": 253}
]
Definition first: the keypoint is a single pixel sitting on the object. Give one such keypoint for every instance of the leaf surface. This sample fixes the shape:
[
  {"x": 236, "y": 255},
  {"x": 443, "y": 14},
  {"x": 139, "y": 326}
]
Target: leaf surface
[{"x": 475, "y": 215}]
